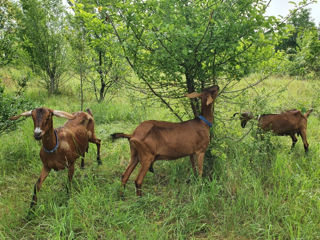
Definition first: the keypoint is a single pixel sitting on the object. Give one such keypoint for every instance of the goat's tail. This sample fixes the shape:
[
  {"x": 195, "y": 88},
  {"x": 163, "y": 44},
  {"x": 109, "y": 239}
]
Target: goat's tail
[
  {"x": 308, "y": 113},
  {"x": 89, "y": 111},
  {"x": 115, "y": 136}
]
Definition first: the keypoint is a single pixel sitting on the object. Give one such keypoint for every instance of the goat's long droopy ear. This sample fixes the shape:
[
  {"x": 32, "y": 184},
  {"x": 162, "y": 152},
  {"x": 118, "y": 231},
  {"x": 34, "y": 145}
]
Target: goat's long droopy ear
[
  {"x": 63, "y": 114},
  {"x": 25, "y": 114},
  {"x": 209, "y": 100},
  {"x": 193, "y": 95}
]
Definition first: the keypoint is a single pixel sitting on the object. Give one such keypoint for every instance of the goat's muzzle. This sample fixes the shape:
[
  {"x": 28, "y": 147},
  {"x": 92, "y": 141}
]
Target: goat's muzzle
[
  {"x": 243, "y": 123},
  {"x": 37, "y": 134}
]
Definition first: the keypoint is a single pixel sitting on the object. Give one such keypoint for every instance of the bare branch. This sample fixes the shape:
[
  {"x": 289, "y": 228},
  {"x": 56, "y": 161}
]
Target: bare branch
[{"x": 247, "y": 87}]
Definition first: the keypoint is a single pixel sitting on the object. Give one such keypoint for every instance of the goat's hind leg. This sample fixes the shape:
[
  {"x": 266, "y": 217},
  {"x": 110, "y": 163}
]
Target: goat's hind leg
[
  {"x": 294, "y": 140},
  {"x": 82, "y": 158},
  {"x": 145, "y": 165},
  {"x": 70, "y": 176},
  {"x": 303, "y": 134},
  {"x": 97, "y": 141},
  {"x": 37, "y": 186},
  {"x": 193, "y": 164},
  {"x": 200, "y": 158},
  {"x": 131, "y": 166}
]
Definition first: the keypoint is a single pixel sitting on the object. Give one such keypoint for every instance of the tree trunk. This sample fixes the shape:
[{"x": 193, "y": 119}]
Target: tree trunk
[
  {"x": 103, "y": 84},
  {"x": 193, "y": 102},
  {"x": 81, "y": 90},
  {"x": 52, "y": 87}
]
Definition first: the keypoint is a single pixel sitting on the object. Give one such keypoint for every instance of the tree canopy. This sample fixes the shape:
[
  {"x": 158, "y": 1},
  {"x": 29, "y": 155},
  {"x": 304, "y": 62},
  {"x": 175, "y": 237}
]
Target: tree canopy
[{"x": 183, "y": 46}]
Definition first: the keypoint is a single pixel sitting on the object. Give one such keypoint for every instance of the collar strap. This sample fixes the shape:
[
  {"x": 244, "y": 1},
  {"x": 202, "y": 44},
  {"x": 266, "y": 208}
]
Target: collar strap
[
  {"x": 205, "y": 121},
  {"x": 55, "y": 147}
]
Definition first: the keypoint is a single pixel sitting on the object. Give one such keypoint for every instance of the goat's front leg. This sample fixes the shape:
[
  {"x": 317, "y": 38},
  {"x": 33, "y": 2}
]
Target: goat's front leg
[
  {"x": 294, "y": 140},
  {"x": 37, "y": 186},
  {"x": 193, "y": 164},
  {"x": 200, "y": 158}
]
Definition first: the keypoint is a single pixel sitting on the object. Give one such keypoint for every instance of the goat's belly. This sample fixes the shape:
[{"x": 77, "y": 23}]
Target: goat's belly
[
  {"x": 287, "y": 133},
  {"x": 61, "y": 161},
  {"x": 164, "y": 157},
  {"x": 56, "y": 165}
]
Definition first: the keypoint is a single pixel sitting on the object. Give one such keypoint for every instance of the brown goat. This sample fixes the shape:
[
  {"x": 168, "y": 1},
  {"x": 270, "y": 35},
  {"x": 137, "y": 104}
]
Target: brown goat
[
  {"x": 158, "y": 140},
  {"x": 287, "y": 123},
  {"x": 61, "y": 146}
]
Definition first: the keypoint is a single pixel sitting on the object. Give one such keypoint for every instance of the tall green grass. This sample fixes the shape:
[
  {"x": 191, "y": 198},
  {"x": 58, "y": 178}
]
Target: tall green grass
[{"x": 252, "y": 189}]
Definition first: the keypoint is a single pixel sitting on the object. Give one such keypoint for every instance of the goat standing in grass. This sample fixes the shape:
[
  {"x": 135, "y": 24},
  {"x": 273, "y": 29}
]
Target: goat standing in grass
[
  {"x": 158, "y": 140},
  {"x": 61, "y": 146},
  {"x": 287, "y": 123}
]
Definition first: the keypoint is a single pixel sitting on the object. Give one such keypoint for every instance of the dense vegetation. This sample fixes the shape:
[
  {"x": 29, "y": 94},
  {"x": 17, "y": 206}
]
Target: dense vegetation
[
  {"x": 132, "y": 62},
  {"x": 257, "y": 189}
]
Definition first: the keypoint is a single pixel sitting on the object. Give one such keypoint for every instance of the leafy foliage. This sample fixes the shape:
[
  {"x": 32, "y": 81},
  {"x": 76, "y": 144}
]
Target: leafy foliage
[
  {"x": 306, "y": 61},
  {"x": 300, "y": 20},
  {"x": 105, "y": 67},
  {"x": 177, "y": 47},
  {"x": 300, "y": 43},
  {"x": 8, "y": 32},
  {"x": 257, "y": 189},
  {"x": 10, "y": 106},
  {"x": 42, "y": 35}
]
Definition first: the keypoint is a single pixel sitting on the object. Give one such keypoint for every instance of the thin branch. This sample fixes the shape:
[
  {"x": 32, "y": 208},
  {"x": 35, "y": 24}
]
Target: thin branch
[
  {"x": 108, "y": 18},
  {"x": 247, "y": 87}
]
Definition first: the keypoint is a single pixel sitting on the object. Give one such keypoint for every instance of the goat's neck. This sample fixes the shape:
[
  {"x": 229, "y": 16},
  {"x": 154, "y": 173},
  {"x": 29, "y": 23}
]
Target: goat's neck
[
  {"x": 49, "y": 139},
  {"x": 206, "y": 111}
]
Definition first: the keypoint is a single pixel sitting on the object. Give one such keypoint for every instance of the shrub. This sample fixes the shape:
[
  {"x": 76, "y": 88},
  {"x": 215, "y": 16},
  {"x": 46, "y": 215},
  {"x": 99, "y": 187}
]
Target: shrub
[{"x": 10, "y": 106}]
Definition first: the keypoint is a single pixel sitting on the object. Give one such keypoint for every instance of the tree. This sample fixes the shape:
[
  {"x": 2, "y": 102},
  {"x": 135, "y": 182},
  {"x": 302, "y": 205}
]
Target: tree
[
  {"x": 42, "y": 34},
  {"x": 109, "y": 68},
  {"x": 8, "y": 37},
  {"x": 306, "y": 60},
  {"x": 80, "y": 50},
  {"x": 183, "y": 46},
  {"x": 10, "y": 106},
  {"x": 299, "y": 20}
]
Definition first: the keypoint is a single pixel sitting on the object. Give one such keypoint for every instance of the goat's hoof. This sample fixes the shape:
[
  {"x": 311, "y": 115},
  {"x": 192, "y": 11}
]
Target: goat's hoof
[
  {"x": 99, "y": 161},
  {"x": 30, "y": 214},
  {"x": 122, "y": 197}
]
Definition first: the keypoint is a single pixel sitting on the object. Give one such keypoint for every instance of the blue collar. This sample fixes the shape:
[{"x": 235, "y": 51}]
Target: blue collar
[
  {"x": 205, "y": 121},
  {"x": 55, "y": 147}
]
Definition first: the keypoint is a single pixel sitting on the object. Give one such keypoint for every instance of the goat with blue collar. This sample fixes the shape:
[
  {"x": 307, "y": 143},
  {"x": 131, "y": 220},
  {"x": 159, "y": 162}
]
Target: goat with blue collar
[
  {"x": 61, "y": 146},
  {"x": 159, "y": 140}
]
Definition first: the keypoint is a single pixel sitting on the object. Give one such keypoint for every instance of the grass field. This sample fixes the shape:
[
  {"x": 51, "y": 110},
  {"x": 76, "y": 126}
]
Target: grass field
[{"x": 252, "y": 189}]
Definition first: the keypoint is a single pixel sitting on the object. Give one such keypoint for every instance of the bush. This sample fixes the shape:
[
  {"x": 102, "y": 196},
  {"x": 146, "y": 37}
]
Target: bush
[
  {"x": 305, "y": 62},
  {"x": 10, "y": 106}
]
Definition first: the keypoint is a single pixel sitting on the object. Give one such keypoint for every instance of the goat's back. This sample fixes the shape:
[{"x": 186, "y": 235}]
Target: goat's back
[
  {"x": 283, "y": 123},
  {"x": 82, "y": 119},
  {"x": 167, "y": 140}
]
